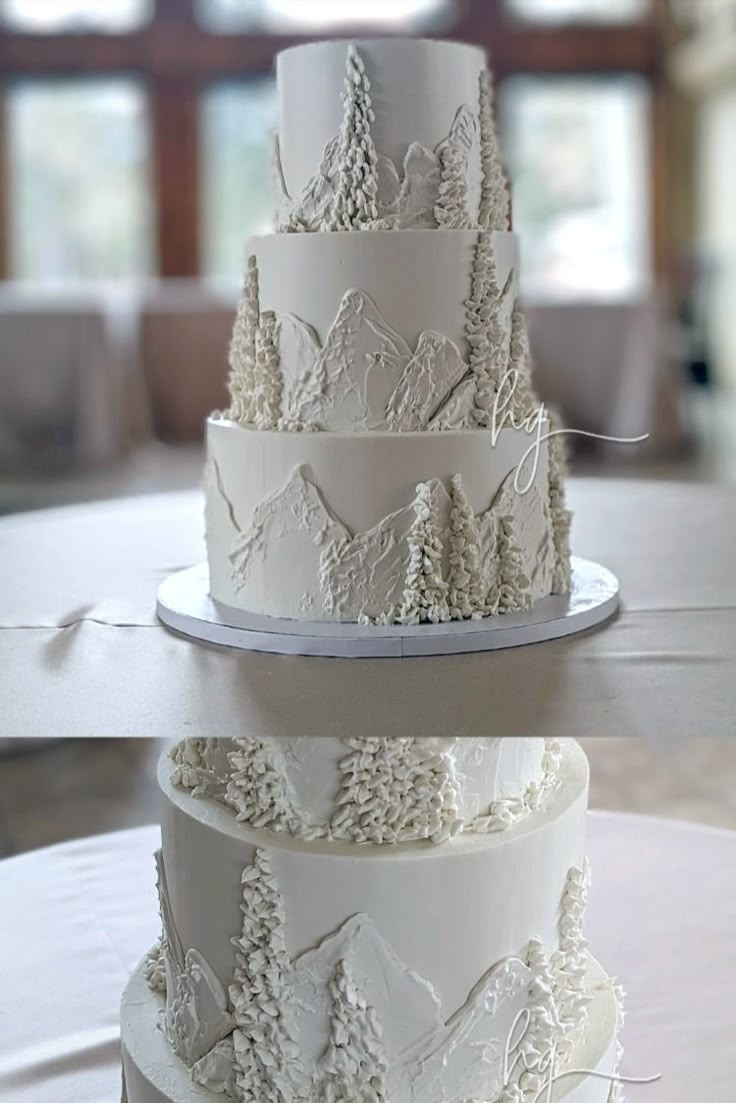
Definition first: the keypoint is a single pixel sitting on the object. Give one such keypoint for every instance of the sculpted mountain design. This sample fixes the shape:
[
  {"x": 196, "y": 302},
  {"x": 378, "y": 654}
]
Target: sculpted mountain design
[
  {"x": 433, "y": 371},
  {"x": 464, "y": 1058},
  {"x": 465, "y": 137},
  {"x": 356, "y": 371},
  {"x": 292, "y": 525},
  {"x": 298, "y": 346},
  {"x": 455, "y": 412},
  {"x": 365, "y": 376},
  {"x": 405, "y": 199},
  {"x": 405, "y": 1004},
  {"x": 366, "y": 575},
  {"x": 351, "y": 576}
]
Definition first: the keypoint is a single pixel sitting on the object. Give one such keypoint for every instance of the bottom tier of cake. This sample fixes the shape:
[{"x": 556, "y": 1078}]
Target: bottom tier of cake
[{"x": 153, "y": 1074}]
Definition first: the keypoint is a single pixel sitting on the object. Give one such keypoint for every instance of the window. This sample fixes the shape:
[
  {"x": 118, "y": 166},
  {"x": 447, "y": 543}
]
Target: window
[
  {"x": 579, "y": 11},
  {"x": 275, "y": 16},
  {"x": 578, "y": 160},
  {"x": 238, "y": 123},
  {"x": 80, "y": 204},
  {"x": 50, "y": 16}
]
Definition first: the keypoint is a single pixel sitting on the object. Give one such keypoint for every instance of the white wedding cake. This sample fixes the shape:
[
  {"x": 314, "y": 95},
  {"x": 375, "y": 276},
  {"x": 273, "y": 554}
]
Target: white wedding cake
[
  {"x": 372, "y": 920},
  {"x": 384, "y": 458},
  {"x": 368, "y": 918}
]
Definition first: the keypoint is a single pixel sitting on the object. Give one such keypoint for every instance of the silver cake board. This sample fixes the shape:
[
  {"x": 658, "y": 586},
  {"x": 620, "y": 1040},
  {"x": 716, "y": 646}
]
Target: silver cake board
[{"x": 185, "y": 606}]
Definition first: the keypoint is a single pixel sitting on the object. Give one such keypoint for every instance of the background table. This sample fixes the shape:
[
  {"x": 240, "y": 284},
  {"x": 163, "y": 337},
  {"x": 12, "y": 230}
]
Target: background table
[
  {"x": 81, "y": 652},
  {"x": 75, "y": 920}
]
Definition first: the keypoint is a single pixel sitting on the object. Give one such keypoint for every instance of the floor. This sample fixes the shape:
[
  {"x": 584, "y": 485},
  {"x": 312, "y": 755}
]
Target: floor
[{"x": 56, "y": 790}]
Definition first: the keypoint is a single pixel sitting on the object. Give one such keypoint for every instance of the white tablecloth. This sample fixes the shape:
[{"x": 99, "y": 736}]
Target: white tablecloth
[
  {"x": 81, "y": 653},
  {"x": 75, "y": 919},
  {"x": 68, "y": 375},
  {"x": 608, "y": 368}
]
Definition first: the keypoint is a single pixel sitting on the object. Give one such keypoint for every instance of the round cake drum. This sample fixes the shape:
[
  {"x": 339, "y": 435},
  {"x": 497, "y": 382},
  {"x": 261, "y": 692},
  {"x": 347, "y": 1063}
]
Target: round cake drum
[{"x": 184, "y": 605}]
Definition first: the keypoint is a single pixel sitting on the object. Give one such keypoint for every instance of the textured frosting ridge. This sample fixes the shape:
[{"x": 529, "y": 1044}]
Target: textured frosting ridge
[
  {"x": 459, "y": 184},
  {"x": 387, "y": 789}
]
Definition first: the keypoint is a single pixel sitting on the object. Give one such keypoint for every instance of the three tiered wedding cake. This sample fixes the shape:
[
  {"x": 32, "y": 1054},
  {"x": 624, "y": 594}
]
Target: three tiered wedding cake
[
  {"x": 372, "y": 918},
  {"x": 383, "y": 458}
]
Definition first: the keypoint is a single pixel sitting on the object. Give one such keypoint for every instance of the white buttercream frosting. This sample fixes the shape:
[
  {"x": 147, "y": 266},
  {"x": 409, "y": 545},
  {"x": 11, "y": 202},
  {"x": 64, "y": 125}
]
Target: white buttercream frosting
[
  {"x": 379, "y": 790},
  {"x": 376, "y": 150},
  {"x": 332, "y": 527}
]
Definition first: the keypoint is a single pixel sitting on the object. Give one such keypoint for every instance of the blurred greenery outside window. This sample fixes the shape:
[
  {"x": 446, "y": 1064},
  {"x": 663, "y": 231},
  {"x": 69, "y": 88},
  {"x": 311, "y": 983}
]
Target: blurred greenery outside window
[
  {"x": 50, "y": 16},
  {"x": 579, "y": 11},
  {"x": 577, "y": 155},
  {"x": 238, "y": 121},
  {"x": 79, "y": 180},
  {"x": 284, "y": 16}
]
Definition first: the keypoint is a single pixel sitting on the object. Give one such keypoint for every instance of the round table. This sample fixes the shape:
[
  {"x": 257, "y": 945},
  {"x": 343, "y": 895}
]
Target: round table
[
  {"x": 76, "y": 918},
  {"x": 81, "y": 652}
]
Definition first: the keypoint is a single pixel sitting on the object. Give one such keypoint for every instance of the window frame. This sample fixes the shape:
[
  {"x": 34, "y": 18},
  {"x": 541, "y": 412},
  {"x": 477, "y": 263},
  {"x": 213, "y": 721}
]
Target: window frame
[{"x": 176, "y": 58}]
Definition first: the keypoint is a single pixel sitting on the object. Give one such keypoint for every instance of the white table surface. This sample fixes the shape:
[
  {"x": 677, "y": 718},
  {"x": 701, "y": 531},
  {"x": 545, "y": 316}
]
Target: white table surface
[
  {"x": 75, "y": 919},
  {"x": 81, "y": 652}
]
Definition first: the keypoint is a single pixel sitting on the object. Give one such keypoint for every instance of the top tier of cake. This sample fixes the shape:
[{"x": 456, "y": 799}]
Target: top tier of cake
[{"x": 409, "y": 121}]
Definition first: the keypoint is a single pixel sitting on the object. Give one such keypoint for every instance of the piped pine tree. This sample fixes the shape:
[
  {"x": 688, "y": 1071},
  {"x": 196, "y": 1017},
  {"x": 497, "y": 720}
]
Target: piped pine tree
[
  {"x": 266, "y": 1053},
  {"x": 482, "y": 329},
  {"x": 569, "y": 962},
  {"x": 268, "y": 378},
  {"x": 524, "y": 402},
  {"x": 394, "y": 789},
  {"x": 538, "y": 1048},
  {"x": 242, "y": 357},
  {"x": 463, "y": 596},
  {"x": 257, "y": 788},
  {"x": 560, "y": 516},
  {"x": 494, "y": 209},
  {"x": 425, "y": 594},
  {"x": 510, "y": 593},
  {"x": 354, "y": 1066},
  {"x": 451, "y": 209},
  {"x": 354, "y": 203}
]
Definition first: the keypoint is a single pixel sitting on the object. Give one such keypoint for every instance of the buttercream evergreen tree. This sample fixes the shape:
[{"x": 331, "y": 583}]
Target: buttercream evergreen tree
[
  {"x": 257, "y": 788},
  {"x": 268, "y": 378},
  {"x": 425, "y": 593},
  {"x": 353, "y": 1068},
  {"x": 242, "y": 357},
  {"x": 494, "y": 210},
  {"x": 538, "y": 1046},
  {"x": 451, "y": 209},
  {"x": 155, "y": 968},
  {"x": 266, "y": 1053},
  {"x": 560, "y": 516},
  {"x": 524, "y": 401},
  {"x": 510, "y": 592},
  {"x": 569, "y": 962},
  {"x": 355, "y": 200},
  {"x": 463, "y": 596},
  {"x": 482, "y": 328},
  {"x": 395, "y": 788}
]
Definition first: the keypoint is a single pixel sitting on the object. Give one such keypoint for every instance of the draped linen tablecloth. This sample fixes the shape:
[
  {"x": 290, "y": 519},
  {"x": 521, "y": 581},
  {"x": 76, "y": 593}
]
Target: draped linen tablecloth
[
  {"x": 69, "y": 378},
  {"x": 81, "y": 652},
  {"x": 75, "y": 920}
]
